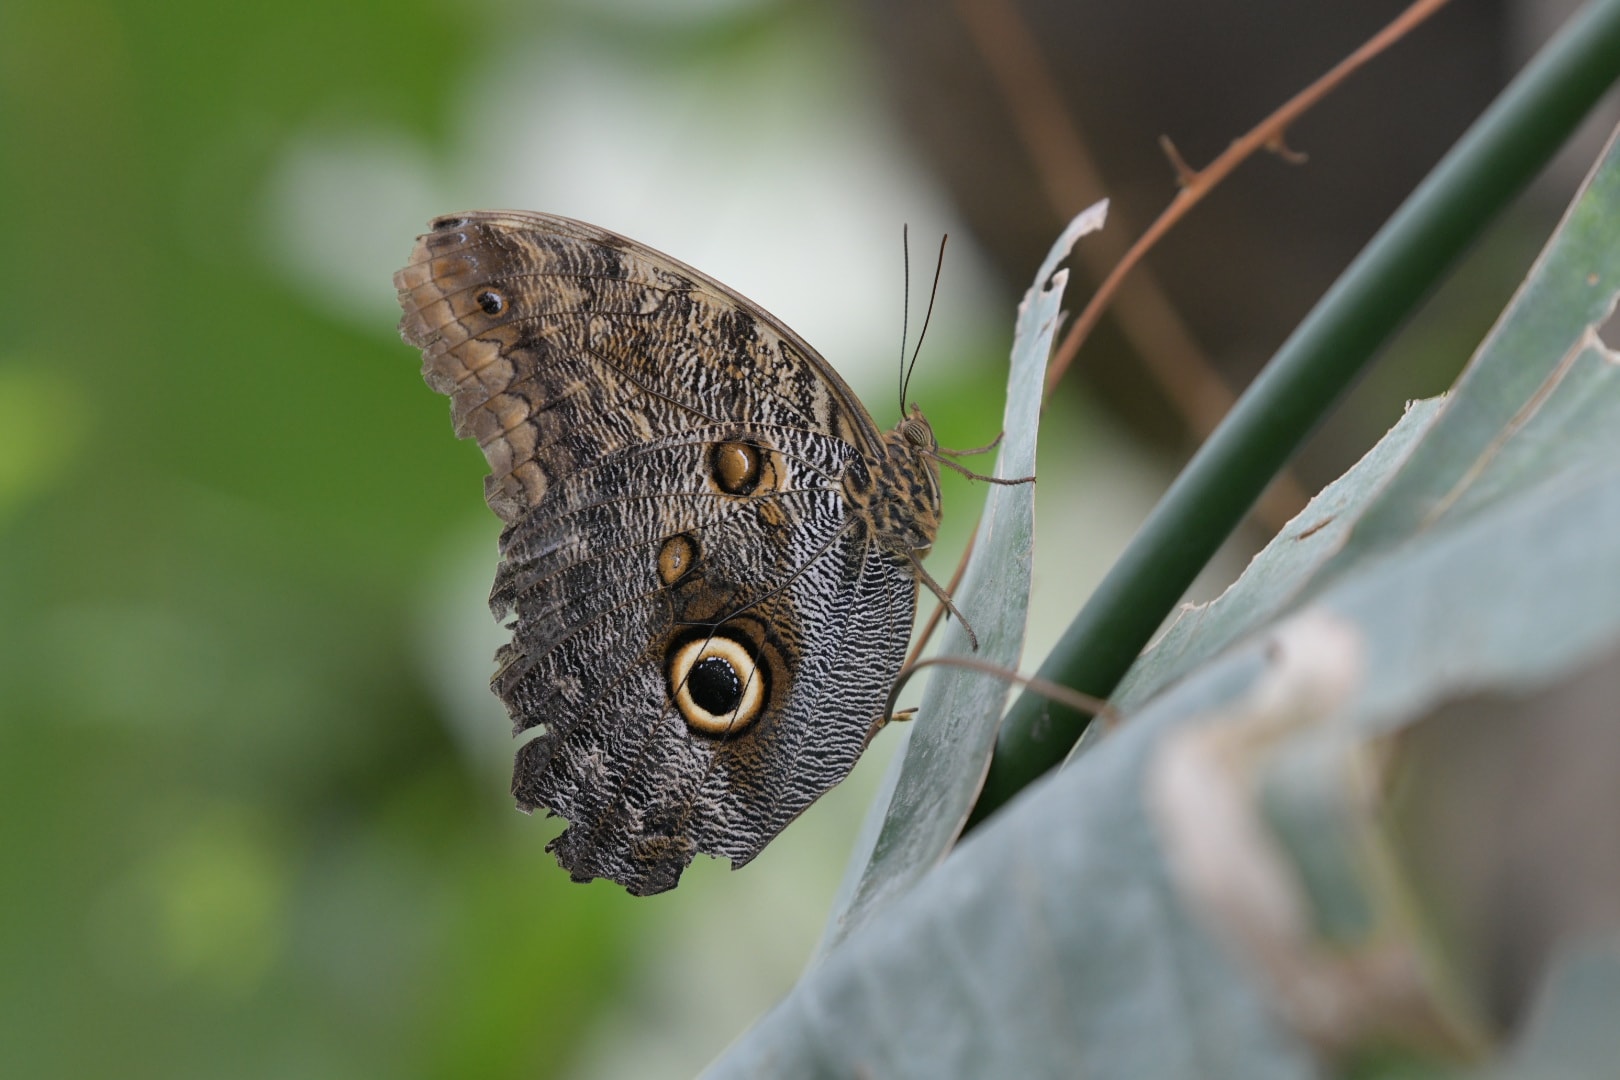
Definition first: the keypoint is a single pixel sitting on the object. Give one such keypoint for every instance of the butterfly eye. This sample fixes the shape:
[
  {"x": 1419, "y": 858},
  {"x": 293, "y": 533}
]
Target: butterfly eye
[
  {"x": 491, "y": 301},
  {"x": 716, "y": 685},
  {"x": 918, "y": 432}
]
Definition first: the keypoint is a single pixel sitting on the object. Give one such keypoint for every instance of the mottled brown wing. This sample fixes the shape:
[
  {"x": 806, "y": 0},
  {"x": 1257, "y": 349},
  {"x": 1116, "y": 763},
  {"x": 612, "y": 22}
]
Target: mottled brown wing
[
  {"x": 671, "y": 465},
  {"x": 557, "y": 340}
]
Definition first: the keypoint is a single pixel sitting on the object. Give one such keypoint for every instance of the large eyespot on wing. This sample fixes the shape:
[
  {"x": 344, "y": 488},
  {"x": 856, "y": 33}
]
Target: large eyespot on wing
[{"x": 717, "y": 682}]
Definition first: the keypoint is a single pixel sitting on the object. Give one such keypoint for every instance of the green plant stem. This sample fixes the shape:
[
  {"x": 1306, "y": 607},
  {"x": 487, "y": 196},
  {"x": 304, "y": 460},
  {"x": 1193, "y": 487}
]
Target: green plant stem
[{"x": 1497, "y": 157}]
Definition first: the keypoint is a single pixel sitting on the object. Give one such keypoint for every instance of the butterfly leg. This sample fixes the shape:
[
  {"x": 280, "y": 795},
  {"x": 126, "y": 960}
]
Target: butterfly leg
[
  {"x": 995, "y": 442},
  {"x": 881, "y": 721},
  {"x": 971, "y": 475},
  {"x": 944, "y": 598}
]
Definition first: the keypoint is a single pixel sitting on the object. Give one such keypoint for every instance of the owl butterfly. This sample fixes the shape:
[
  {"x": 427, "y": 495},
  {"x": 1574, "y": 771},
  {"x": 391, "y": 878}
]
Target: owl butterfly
[{"x": 710, "y": 554}]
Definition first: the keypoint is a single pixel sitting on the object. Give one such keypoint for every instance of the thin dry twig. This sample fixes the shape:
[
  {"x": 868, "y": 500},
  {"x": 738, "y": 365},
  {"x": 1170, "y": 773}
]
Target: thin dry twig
[
  {"x": 1064, "y": 695},
  {"x": 1269, "y": 133},
  {"x": 939, "y": 609},
  {"x": 1069, "y": 180}
]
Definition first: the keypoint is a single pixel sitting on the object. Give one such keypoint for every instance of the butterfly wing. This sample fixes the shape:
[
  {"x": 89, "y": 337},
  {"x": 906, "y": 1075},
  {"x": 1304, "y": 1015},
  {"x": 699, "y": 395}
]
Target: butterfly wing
[{"x": 704, "y": 627}]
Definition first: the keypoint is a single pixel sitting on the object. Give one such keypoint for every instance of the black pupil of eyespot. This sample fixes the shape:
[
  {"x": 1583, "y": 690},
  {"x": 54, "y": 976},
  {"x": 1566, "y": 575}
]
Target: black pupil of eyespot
[
  {"x": 714, "y": 685},
  {"x": 490, "y": 302}
]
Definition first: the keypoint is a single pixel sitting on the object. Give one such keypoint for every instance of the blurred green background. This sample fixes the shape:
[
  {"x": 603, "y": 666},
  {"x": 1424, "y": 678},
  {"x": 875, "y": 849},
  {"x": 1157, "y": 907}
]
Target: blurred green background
[{"x": 255, "y": 810}]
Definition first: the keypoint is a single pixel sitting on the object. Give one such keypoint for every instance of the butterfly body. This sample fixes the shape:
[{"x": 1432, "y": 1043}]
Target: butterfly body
[{"x": 710, "y": 551}]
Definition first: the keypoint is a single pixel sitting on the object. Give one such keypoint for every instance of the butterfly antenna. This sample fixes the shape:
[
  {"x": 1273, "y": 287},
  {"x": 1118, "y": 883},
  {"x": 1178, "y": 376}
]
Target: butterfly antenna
[
  {"x": 932, "y": 293},
  {"x": 905, "y": 312}
]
